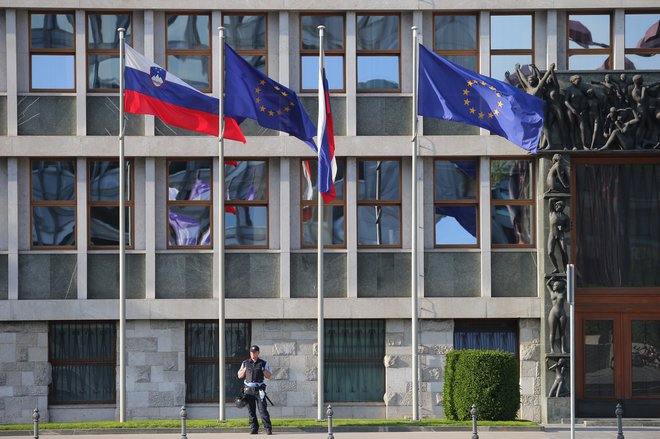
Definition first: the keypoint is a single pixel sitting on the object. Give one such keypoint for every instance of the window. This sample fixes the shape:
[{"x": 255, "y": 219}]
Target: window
[
  {"x": 512, "y": 202},
  {"x": 492, "y": 335},
  {"x": 52, "y": 51},
  {"x": 456, "y": 202},
  {"x": 103, "y": 49},
  {"x": 378, "y": 53},
  {"x": 189, "y": 49},
  {"x": 334, "y": 49},
  {"x": 456, "y": 37},
  {"x": 189, "y": 202},
  {"x": 641, "y": 40},
  {"x": 82, "y": 357},
  {"x": 202, "y": 358},
  {"x": 247, "y": 35},
  {"x": 53, "y": 203},
  {"x": 379, "y": 203},
  {"x": 103, "y": 203},
  {"x": 246, "y": 203},
  {"x": 511, "y": 43},
  {"x": 334, "y": 227},
  {"x": 354, "y": 352},
  {"x": 588, "y": 41}
]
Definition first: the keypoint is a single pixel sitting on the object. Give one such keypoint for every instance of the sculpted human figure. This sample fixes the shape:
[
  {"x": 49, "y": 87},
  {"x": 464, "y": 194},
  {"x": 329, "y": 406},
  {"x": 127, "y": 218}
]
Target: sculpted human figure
[
  {"x": 613, "y": 92},
  {"x": 532, "y": 84},
  {"x": 560, "y": 377},
  {"x": 560, "y": 224},
  {"x": 557, "y": 317},
  {"x": 593, "y": 115},
  {"x": 557, "y": 177},
  {"x": 620, "y": 131},
  {"x": 576, "y": 102},
  {"x": 555, "y": 114},
  {"x": 640, "y": 101}
]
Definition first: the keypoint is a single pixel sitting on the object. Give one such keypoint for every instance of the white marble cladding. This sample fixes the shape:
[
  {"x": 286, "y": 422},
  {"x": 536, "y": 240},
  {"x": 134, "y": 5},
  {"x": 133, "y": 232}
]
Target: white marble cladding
[{"x": 530, "y": 369}]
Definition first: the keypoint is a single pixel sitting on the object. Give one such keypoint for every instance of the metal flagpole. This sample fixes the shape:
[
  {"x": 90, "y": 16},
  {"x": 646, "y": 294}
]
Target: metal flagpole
[
  {"x": 122, "y": 238},
  {"x": 570, "y": 277},
  {"x": 221, "y": 232},
  {"x": 413, "y": 246},
  {"x": 319, "y": 240}
]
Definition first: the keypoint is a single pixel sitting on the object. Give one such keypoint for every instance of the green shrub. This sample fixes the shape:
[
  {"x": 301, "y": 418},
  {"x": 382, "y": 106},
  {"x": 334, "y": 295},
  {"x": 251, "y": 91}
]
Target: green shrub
[{"x": 488, "y": 379}]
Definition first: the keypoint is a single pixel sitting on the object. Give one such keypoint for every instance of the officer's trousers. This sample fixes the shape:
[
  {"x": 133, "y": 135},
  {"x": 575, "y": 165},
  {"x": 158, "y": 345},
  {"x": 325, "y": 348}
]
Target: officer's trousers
[{"x": 253, "y": 401}]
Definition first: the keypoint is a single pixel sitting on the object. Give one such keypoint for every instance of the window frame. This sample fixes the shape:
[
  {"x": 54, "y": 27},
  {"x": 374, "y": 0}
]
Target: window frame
[
  {"x": 99, "y": 52},
  {"x": 248, "y": 203},
  {"x": 327, "y": 52},
  {"x": 640, "y": 51},
  {"x": 462, "y": 52},
  {"x": 486, "y": 326},
  {"x": 375, "y": 52},
  {"x": 376, "y": 203},
  {"x": 190, "y": 52},
  {"x": 458, "y": 202},
  {"x": 590, "y": 51},
  {"x": 128, "y": 202},
  {"x": 54, "y": 203},
  {"x": 169, "y": 203},
  {"x": 251, "y": 52},
  {"x": 496, "y": 52},
  {"x": 65, "y": 52}
]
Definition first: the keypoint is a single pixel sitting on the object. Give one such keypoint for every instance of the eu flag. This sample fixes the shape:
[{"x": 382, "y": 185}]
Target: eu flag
[
  {"x": 253, "y": 95},
  {"x": 449, "y": 91}
]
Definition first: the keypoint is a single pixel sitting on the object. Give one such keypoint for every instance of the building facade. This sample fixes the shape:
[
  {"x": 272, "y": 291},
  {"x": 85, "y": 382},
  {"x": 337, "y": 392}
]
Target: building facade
[{"x": 488, "y": 221}]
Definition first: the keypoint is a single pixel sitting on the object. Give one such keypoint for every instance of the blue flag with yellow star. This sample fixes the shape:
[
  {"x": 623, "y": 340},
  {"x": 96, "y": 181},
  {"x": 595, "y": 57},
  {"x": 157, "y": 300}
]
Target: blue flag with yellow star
[
  {"x": 253, "y": 95},
  {"x": 449, "y": 91}
]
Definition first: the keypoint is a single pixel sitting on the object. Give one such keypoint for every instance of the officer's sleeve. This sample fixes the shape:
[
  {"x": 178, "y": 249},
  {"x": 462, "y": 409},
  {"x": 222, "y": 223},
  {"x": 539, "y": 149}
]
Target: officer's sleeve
[{"x": 267, "y": 367}]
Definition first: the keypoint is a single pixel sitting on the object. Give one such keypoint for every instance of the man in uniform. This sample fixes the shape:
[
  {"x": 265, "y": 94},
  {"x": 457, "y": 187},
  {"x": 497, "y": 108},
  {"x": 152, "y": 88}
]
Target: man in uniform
[{"x": 254, "y": 370}]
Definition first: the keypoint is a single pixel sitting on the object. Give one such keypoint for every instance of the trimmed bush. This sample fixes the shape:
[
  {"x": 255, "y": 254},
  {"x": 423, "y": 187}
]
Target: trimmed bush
[{"x": 488, "y": 379}]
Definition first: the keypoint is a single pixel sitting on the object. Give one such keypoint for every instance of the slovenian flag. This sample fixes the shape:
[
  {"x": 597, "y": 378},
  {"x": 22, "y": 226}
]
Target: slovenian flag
[
  {"x": 150, "y": 89},
  {"x": 326, "y": 139}
]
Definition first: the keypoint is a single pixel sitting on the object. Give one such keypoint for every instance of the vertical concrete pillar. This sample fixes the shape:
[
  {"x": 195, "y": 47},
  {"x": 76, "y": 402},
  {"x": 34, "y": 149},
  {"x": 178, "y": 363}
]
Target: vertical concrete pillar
[
  {"x": 351, "y": 227},
  {"x": 12, "y": 227},
  {"x": 351, "y": 74},
  {"x": 618, "y": 44},
  {"x": 81, "y": 226},
  {"x": 81, "y": 73},
  {"x": 484, "y": 226},
  {"x": 12, "y": 76},
  {"x": 284, "y": 227},
  {"x": 149, "y": 52},
  {"x": 150, "y": 230}
]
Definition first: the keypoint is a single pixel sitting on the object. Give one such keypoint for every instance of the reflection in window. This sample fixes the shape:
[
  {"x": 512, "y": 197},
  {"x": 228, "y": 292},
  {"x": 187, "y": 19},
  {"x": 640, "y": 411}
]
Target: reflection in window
[
  {"x": 379, "y": 203},
  {"x": 246, "y": 34},
  {"x": 103, "y": 194},
  {"x": 378, "y": 53},
  {"x": 334, "y": 49},
  {"x": 646, "y": 357},
  {"x": 598, "y": 358},
  {"x": 246, "y": 203},
  {"x": 189, "y": 49},
  {"x": 103, "y": 49},
  {"x": 642, "y": 41},
  {"x": 495, "y": 335},
  {"x": 455, "y": 37},
  {"x": 509, "y": 48},
  {"x": 52, "y": 51},
  {"x": 334, "y": 228},
  {"x": 589, "y": 41},
  {"x": 189, "y": 203},
  {"x": 456, "y": 202},
  {"x": 512, "y": 202},
  {"x": 202, "y": 358},
  {"x": 53, "y": 203}
]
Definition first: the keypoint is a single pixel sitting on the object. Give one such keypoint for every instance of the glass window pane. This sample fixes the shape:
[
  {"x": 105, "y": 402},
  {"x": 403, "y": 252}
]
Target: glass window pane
[
  {"x": 333, "y": 37},
  {"x": 54, "y": 226},
  {"x": 246, "y": 225},
  {"x": 192, "y": 69},
  {"x": 190, "y": 180},
  {"x": 333, "y": 225},
  {"x": 189, "y": 225},
  {"x": 188, "y": 32},
  {"x": 378, "y": 72},
  {"x": 511, "y": 179},
  {"x": 53, "y": 180},
  {"x": 51, "y": 31},
  {"x": 246, "y": 180},
  {"x": 598, "y": 358},
  {"x": 104, "y": 180},
  {"x": 102, "y": 30},
  {"x": 334, "y": 72},
  {"x": 588, "y": 31},
  {"x": 500, "y": 64},
  {"x": 455, "y": 32},
  {"x": 642, "y": 31},
  {"x": 104, "y": 225},
  {"x": 456, "y": 179},
  {"x": 310, "y": 181},
  {"x": 103, "y": 72},
  {"x": 378, "y": 32},
  {"x": 257, "y": 61},
  {"x": 642, "y": 62},
  {"x": 502, "y": 37},
  {"x": 467, "y": 61},
  {"x": 379, "y": 180},
  {"x": 379, "y": 225},
  {"x": 53, "y": 72},
  {"x": 589, "y": 62},
  {"x": 456, "y": 225},
  {"x": 511, "y": 225},
  {"x": 245, "y": 32},
  {"x": 497, "y": 335},
  {"x": 646, "y": 357}
]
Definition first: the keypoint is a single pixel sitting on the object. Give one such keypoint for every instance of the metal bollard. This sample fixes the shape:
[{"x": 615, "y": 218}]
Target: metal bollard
[
  {"x": 183, "y": 422},
  {"x": 619, "y": 423},
  {"x": 35, "y": 420},
  {"x": 329, "y": 414},
  {"x": 473, "y": 412}
]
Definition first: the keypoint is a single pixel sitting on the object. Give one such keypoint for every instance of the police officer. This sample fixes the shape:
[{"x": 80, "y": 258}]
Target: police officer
[{"x": 254, "y": 370}]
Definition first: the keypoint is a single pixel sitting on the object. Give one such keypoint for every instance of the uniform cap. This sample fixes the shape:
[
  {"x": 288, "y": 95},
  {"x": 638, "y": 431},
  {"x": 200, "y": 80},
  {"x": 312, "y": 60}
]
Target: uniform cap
[{"x": 254, "y": 348}]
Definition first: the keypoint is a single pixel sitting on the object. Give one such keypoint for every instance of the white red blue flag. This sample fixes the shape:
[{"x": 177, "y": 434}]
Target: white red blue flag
[
  {"x": 326, "y": 138},
  {"x": 150, "y": 89}
]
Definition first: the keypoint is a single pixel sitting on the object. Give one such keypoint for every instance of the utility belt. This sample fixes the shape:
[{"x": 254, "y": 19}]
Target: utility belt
[{"x": 258, "y": 391}]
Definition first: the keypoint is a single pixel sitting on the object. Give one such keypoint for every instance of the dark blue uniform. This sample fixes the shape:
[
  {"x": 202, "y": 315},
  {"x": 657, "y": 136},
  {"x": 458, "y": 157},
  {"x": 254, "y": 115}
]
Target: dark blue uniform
[{"x": 254, "y": 378}]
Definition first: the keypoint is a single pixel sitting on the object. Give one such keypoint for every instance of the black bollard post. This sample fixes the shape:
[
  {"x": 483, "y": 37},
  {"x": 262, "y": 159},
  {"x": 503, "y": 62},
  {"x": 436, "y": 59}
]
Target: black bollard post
[
  {"x": 35, "y": 420},
  {"x": 183, "y": 422},
  {"x": 329, "y": 414},
  {"x": 473, "y": 412},
  {"x": 619, "y": 424}
]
